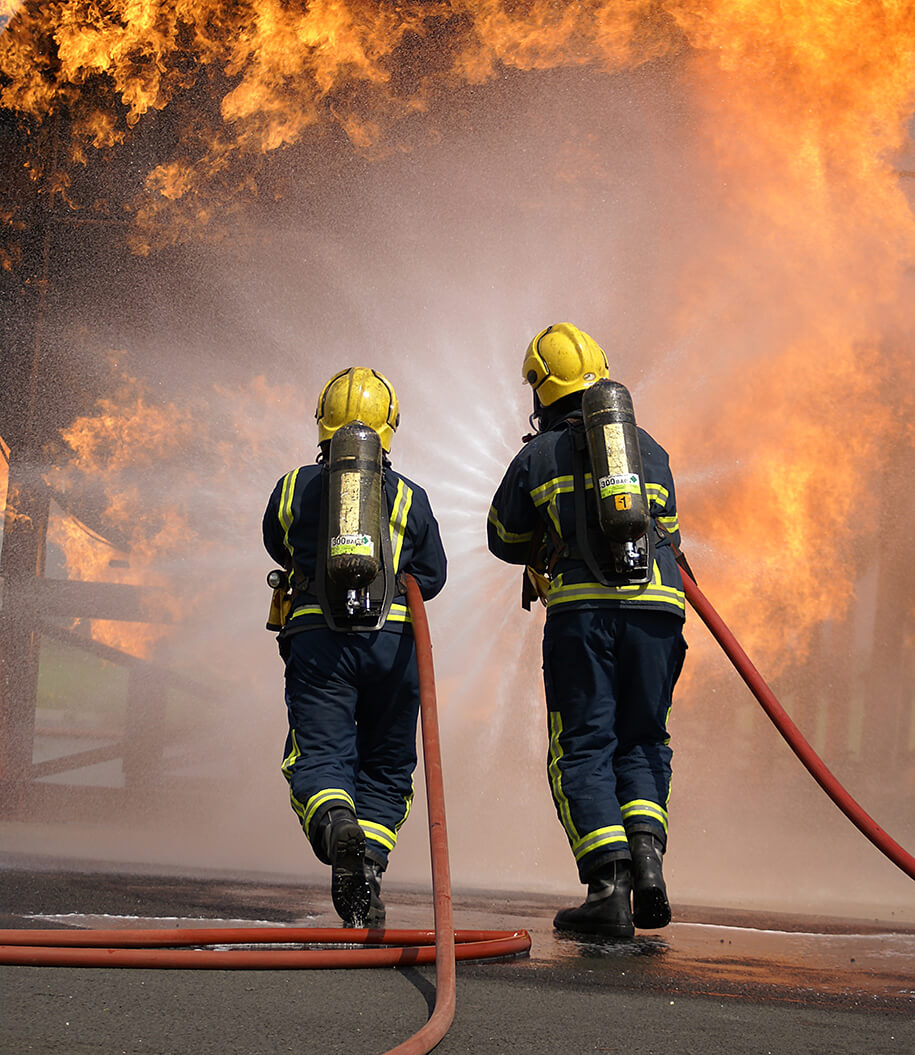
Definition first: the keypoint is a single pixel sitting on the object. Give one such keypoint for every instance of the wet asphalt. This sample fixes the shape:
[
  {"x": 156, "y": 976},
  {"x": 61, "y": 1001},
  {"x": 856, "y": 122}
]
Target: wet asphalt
[{"x": 713, "y": 981}]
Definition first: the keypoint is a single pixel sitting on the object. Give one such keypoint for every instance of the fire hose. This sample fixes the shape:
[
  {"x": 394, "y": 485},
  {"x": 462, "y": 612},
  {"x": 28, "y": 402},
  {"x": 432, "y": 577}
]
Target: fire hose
[
  {"x": 811, "y": 760},
  {"x": 388, "y": 948}
]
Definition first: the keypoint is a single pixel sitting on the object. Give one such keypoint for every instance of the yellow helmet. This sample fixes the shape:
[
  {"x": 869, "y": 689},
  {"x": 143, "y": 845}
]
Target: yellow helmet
[
  {"x": 563, "y": 359},
  {"x": 358, "y": 394}
]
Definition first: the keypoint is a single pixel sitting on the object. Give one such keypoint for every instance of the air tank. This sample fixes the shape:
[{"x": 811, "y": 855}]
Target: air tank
[
  {"x": 354, "y": 506},
  {"x": 616, "y": 461}
]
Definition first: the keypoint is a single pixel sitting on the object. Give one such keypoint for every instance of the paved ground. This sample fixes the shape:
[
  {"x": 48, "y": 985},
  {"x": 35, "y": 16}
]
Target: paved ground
[{"x": 710, "y": 983}]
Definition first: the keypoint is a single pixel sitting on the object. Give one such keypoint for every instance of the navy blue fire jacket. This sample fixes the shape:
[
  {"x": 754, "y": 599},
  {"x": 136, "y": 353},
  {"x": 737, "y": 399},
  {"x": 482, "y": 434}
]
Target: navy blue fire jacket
[
  {"x": 291, "y": 523},
  {"x": 537, "y": 492}
]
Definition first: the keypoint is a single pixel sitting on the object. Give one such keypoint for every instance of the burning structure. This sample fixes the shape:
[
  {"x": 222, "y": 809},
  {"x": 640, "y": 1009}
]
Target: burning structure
[{"x": 206, "y": 206}]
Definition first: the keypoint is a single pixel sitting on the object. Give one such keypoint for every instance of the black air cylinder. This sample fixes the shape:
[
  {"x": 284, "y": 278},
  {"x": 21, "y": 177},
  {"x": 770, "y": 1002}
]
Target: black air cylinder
[
  {"x": 616, "y": 461},
  {"x": 354, "y": 506}
]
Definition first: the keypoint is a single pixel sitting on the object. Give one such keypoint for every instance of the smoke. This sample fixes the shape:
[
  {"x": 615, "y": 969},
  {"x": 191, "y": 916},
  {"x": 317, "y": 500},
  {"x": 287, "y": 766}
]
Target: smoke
[{"x": 748, "y": 274}]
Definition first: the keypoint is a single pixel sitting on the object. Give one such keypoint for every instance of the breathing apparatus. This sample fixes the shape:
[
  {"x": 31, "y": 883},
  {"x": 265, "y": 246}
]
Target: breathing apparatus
[
  {"x": 354, "y": 569},
  {"x": 357, "y": 414},
  {"x": 561, "y": 361},
  {"x": 618, "y": 483}
]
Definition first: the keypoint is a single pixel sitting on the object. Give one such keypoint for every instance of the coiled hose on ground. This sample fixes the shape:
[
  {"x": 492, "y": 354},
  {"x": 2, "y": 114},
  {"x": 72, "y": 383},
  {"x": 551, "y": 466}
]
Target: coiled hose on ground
[
  {"x": 159, "y": 948},
  {"x": 170, "y": 948}
]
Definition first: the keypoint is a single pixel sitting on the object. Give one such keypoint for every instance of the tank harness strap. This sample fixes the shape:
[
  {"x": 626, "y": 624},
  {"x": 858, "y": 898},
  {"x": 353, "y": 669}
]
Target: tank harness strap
[
  {"x": 665, "y": 537},
  {"x": 582, "y": 546},
  {"x": 539, "y": 569}
]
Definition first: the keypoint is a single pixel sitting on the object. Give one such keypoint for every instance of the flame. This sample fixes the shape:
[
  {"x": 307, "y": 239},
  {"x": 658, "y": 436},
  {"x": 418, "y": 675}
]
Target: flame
[
  {"x": 798, "y": 109},
  {"x": 117, "y": 447},
  {"x": 172, "y": 507},
  {"x": 793, "y": 528},
  {"x": 798, "y": 85},
  {"x": 9, "y": 499}
]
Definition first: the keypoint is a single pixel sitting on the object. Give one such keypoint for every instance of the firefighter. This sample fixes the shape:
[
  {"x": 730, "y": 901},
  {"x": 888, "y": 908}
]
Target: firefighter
[
  {"x": 612, "y": 648},
  {"x": 352, "y": 692}
]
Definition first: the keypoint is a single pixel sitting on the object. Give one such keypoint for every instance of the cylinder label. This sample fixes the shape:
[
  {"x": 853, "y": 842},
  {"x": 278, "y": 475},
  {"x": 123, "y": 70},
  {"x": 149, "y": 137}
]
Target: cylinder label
[
  {"x": 622, "y": 484},
  {"x": 361, "y": 545}
]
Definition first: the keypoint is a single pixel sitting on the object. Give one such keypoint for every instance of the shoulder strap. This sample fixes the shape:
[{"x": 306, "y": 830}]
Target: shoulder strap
[{"x": 582, "y": 535}]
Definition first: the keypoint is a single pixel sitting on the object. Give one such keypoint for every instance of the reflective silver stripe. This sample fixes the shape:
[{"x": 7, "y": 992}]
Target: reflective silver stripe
[
  {"x": 593, "y": 591},
  {"x": 645, "y": 808},
  {"x": 548, "y": 491},
  {"x": 378, "y": 833},
  {"x": 657, "y": 495},
  {"x": 614, "y": 833}
]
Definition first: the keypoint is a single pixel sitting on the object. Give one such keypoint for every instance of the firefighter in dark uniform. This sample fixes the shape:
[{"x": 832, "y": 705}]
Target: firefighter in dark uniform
[
  {"x": 612, "y": 651},
  {"x": 352, "y": 692}
]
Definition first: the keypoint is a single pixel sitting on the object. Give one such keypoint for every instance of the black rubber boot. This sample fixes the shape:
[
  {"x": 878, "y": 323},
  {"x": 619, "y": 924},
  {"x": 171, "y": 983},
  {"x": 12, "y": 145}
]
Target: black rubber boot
[
  {"x": 349, "y": 887},
  {"x": 606, "y": 910},
  {"x": 650, "y": 908},
  {"x": 376, "y": 913}
]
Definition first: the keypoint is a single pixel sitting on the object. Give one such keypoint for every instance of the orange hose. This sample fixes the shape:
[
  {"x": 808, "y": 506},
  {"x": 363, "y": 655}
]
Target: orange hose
[
  {"x": 150, "y": 949},
  {"x": 445, "y": 975},
  {"x": 812, "y": 762},
  {"x": 163, "y": 948}
]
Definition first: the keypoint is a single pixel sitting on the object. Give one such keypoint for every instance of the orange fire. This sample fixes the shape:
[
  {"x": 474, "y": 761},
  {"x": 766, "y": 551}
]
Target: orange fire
[
  {"x": 158, "y": 467},
  {"x": 118, "y": 447},
  {"x": 800, "y": 109}
]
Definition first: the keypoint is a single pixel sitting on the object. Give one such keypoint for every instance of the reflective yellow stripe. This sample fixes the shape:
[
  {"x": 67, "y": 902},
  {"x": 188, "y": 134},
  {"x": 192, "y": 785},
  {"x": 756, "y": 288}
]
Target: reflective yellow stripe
[
  {"x": 378, "y": 833},
  {"x": 614, "y": 833},
  {"x": 399, "y": 613},
  {"x": 402, "y": 502},
  {"x": 548, "y": 491},
  {"x": 546, "y": 494},
  {"x": 504, "y": 535},
  {"x": 594, "y": 591},
  {"x": 285, "y": 512},
  {"x": 645, "y": 808},
  {"x": 290, "y": 760},
  {"x": 657, "y": 495},
  {"x": 385, "y": 836},
  {"x": 323, "y": 797},
  {"x": 288, "y": 763},
  {"x": 555, "y": 773},
  {"x": 306, "y": 811},
  {"x": 298, "y": 807},
  {"x": 408, "y": 805}
]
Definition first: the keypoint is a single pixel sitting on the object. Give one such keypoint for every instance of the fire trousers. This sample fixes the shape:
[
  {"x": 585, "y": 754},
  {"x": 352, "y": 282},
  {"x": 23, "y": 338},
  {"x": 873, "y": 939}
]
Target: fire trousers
[
  {"x": 609, "y": 675},
  {"x": 352, "y": 701}
]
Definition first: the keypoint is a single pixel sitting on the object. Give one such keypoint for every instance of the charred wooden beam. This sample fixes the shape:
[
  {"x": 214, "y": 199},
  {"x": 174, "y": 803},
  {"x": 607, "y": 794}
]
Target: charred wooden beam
[{"x": 44, "y": 598}]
